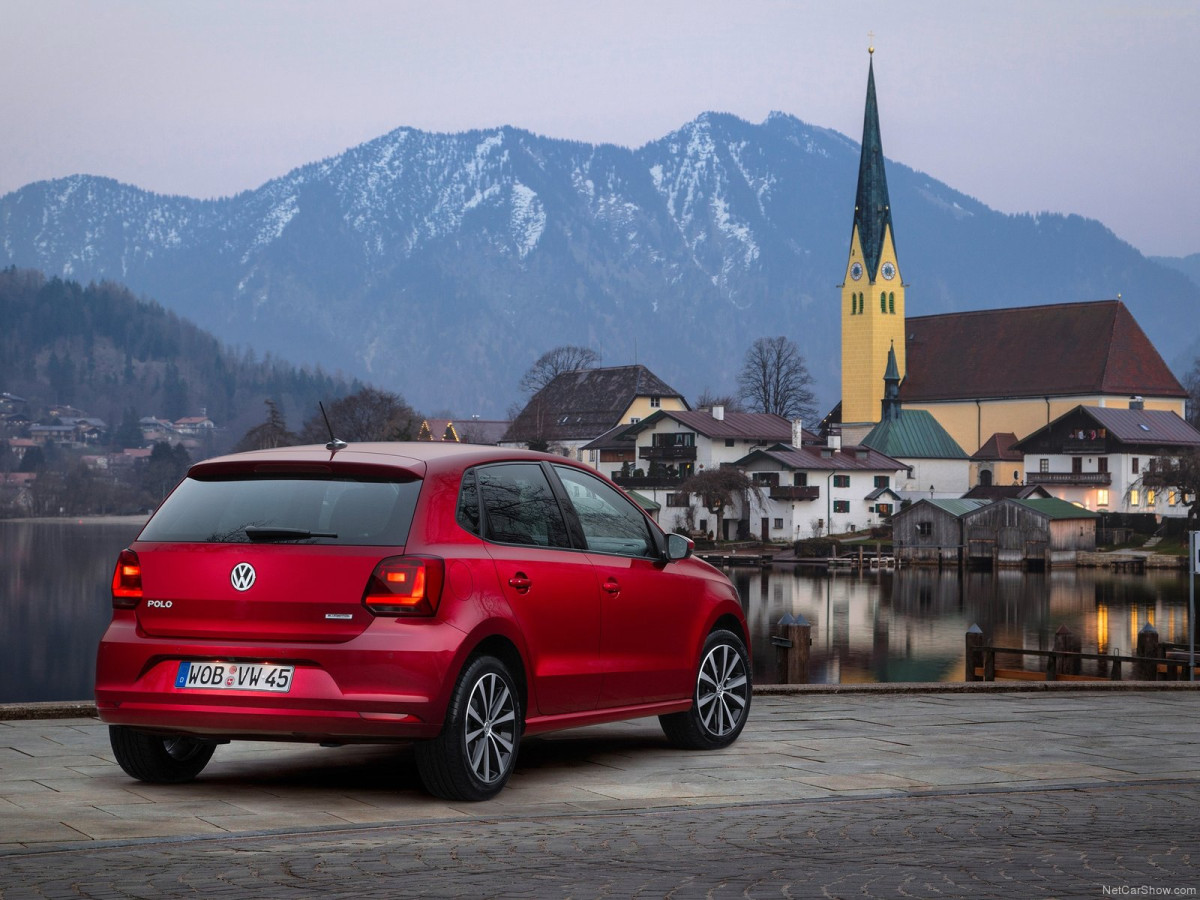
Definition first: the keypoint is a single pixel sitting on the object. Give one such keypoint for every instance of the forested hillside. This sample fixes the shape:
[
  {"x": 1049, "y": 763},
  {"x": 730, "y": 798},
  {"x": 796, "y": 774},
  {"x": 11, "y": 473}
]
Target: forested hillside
[{"x": 113, "y": 356}]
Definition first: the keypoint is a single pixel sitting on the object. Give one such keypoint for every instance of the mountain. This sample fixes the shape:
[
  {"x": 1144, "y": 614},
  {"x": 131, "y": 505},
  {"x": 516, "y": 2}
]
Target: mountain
[
  {"x": 99, "y": 348},
  {"x": 440, "y": 266}
]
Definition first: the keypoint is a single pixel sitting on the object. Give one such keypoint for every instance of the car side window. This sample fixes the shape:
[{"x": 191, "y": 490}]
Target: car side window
[
  {"x": 611, "y": 523},
  {"x": 519, "y": 506},
  {"x": 468, "y": 503}
]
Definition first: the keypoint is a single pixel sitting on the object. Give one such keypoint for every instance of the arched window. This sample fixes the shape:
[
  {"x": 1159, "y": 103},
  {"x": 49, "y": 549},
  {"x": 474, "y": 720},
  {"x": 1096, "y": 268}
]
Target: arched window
[
  {"x": 985, "y": 477},
  {"x": 883, "y": 301},
  {"x": 892, "y": 302}
]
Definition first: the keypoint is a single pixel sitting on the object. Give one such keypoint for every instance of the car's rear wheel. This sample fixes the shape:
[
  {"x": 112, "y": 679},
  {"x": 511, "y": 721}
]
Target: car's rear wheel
[
  {"x": 156, "y": 758},
  {"x": 475, "y": 753},
  {"x": 721, "y": 700}
]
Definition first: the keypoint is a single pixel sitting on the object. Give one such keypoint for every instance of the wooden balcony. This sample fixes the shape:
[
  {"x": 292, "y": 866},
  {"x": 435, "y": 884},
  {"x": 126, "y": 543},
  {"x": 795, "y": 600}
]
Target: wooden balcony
[
  {"x": 672, "y": 453},
  {"x": 796, "y": 492},
  {"x": 1074, "y": 478}
]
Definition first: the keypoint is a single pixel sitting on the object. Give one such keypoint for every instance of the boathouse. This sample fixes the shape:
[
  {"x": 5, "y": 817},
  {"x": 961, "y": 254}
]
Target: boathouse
[
  {"x": 1039, "y": 533},
  {"x": 931, "y": 531}
]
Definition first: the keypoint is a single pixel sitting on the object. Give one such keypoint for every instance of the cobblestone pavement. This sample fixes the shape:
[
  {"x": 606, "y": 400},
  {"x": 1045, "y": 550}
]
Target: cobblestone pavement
[
  {"x": 1023, "y": 844},
  {"x": 910, "y": 795}
]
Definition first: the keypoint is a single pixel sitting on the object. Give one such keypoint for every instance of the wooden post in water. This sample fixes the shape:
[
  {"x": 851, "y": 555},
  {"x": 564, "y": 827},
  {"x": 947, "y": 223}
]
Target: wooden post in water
[
  {"x": 1068, "y": 642},
  {"x": 1147, "y": 646},
  {"x": 792, "y": 637},
  {"x": 974, "y": 652}
]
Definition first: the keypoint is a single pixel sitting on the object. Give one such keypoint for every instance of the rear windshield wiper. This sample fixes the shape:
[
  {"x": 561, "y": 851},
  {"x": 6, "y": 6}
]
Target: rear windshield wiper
[{"x": 255, "y": 533}]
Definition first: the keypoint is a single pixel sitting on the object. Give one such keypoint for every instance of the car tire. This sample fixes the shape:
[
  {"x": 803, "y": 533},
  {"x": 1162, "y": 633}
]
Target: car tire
[
  {"x": 159, "y": 759},
  {"x": 721, "y": 699},
  {"x": 475, "y": 753}
]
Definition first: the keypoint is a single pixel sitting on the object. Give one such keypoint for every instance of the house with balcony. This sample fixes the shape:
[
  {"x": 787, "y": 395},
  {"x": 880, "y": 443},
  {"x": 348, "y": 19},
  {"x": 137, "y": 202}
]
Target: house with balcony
[
  {"x": 1099, "y": 458},
  {"x": 578, "y": 407},
  {"x": 816, "y": 489},
  {"x": 658, "y": 454}
]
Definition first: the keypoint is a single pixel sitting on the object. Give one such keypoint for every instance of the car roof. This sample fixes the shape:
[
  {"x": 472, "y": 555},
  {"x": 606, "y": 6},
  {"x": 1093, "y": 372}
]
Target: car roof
[{"x": 415, "y": 457}]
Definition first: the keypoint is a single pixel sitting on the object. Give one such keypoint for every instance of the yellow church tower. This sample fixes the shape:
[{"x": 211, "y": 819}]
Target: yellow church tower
[{"x": 873, "y": 290}]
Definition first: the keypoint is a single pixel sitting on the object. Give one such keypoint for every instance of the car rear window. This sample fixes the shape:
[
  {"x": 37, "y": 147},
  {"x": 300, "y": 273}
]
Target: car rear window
[{"x": 278, "y": 509}]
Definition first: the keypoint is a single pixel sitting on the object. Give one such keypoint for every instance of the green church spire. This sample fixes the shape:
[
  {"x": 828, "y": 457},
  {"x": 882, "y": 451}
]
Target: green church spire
[{"x": 872, "y": 210}]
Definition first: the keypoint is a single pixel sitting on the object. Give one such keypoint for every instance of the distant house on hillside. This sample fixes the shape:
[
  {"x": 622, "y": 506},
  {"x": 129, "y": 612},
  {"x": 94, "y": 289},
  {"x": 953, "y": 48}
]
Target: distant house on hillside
[{"x": 577, "y": 407}]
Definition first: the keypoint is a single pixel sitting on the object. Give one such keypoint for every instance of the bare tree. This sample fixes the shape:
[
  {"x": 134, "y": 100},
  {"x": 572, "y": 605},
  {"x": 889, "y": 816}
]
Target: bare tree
[
  {"x": 708, "y": 399},
  {"x": 567, "y": 358},
  {"x": 718, "y": 488},
  {"x": 1182, "y": 474},
  {"x": 369, "y": 415},
  {"x": 774, "y": 379}
]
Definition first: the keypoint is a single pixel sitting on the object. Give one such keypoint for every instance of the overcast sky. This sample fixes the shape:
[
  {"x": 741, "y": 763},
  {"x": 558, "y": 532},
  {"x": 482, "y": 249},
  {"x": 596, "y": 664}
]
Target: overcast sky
[{"x": 1085, "y": 106}]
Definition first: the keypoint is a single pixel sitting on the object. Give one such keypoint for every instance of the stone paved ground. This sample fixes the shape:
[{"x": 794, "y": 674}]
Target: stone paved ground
[{"x": 1086, "y": 794}]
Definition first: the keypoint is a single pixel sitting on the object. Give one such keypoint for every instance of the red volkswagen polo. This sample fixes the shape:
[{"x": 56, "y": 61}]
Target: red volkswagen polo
[{"x": 456, "y": 596}]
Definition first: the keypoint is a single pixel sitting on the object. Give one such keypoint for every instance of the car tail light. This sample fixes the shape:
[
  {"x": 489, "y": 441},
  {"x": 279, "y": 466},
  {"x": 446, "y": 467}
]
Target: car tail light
[
  {"x": 405, "y": 586},
  {"x": 127, "y": 581}
]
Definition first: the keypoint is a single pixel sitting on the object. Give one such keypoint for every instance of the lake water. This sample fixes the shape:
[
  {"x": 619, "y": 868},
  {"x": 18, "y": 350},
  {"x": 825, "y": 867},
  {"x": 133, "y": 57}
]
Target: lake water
[{"x": 907, "y": 625}]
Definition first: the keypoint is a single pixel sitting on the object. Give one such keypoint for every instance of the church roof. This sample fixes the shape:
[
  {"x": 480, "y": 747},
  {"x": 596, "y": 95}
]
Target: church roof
[
  {"x": 913, "y": 434},
  {"x": 1033, "y": 351},
  {"x": 872, "y": 210}
]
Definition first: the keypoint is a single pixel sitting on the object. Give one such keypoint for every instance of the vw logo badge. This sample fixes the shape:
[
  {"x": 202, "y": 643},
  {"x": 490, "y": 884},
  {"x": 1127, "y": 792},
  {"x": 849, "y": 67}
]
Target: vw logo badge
[{"x": 242, "y": 576}]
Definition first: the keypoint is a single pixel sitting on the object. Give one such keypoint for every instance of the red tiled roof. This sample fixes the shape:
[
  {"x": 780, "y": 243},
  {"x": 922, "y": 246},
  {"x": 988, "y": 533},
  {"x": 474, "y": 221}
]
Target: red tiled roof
[
  {"x": 999, "y": 446},
  {"x": 1033, "y": 351}
]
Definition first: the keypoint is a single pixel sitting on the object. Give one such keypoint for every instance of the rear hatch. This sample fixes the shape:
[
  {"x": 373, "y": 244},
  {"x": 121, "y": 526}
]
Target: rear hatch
[{"x": 270, "y": 555}]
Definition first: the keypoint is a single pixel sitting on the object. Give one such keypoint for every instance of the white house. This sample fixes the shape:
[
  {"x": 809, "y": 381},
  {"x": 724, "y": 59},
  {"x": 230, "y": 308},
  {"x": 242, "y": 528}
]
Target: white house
[
  {"x": 1099, "y": 457},
  {"x": 814, "y": 489}
]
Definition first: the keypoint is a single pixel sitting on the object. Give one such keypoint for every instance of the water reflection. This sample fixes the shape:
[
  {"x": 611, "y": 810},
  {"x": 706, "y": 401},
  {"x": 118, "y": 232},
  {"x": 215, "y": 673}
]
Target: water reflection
[
  {"x": 882, "y": 626},
  {"x": 909, "y": 625},
  {"x": 55, "y": 603}
]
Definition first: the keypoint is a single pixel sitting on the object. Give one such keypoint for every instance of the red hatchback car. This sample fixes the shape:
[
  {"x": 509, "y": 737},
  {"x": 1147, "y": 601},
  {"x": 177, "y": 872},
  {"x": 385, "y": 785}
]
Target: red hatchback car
[{"x": 456, "y": 596}]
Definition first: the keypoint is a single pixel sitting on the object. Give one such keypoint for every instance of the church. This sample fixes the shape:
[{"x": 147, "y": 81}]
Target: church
[{"x": 971, "y": 379}]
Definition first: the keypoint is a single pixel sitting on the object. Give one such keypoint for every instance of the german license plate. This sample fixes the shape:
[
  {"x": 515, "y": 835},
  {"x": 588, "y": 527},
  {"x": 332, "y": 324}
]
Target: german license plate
[{"x": 229, "y": 676}]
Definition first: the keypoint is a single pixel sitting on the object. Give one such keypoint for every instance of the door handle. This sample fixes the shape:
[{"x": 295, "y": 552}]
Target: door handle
[
  {"x": 520, "y": 583},
  {"x": 611, "y": 586}
]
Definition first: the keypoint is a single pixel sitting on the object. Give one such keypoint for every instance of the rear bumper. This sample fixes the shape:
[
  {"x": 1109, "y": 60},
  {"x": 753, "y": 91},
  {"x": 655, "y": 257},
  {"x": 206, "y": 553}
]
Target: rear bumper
[{"x": 389, "y": 683}]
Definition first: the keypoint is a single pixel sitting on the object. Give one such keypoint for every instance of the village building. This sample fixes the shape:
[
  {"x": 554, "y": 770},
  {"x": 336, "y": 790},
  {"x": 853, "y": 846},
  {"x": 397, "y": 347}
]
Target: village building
[
  {"x": 931, "y": 531},
  {"x": 981, "y": 373},
  {"x": 1099, "y": 458},
  {"x": 815, "y": 489},
  {"x": 1028, "y": 533},
  {"x": 577, "y": 407}
]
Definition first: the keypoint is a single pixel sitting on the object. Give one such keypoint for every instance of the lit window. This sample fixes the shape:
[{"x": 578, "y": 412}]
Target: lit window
[
  {"x": 1133, "y": 496},
  {"x": 1150, "y": 497},
  {"x": 1172, "y": 498},
  {"x": 1102, "y": 498}
]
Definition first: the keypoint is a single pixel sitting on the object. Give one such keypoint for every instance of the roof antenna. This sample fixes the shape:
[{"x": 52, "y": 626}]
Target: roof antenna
[{"x": 334, "y": 444}]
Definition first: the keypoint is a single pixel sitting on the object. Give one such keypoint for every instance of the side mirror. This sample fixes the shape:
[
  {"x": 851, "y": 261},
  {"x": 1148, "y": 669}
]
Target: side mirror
[{"x": 679, "y": 547}]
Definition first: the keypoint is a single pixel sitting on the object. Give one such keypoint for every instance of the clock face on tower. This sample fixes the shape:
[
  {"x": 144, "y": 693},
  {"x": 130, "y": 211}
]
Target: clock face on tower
[
  {"x": 856, "y": 271},
  {"x": 888, "y": 271}
]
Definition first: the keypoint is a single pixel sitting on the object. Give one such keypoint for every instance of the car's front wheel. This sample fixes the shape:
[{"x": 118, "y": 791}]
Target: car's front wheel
[
  {"x": 156, "y": 758},
  {"x": 476, "y": 752},
  {"x": 721, "y": 700}
]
